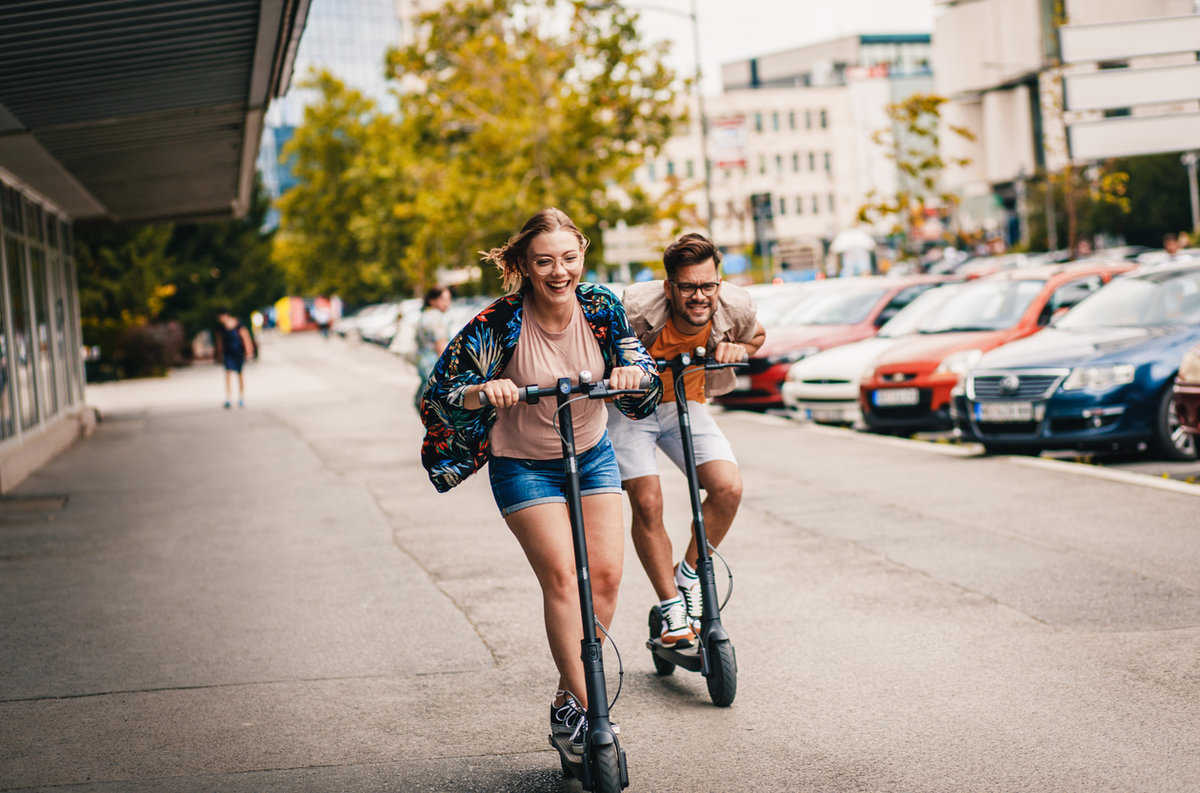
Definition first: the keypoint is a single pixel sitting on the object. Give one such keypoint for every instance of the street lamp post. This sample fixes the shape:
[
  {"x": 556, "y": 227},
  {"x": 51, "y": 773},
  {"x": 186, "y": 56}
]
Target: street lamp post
[
  {"x": 694, "y": 18},
  {"x": 1189, "y": 160}
]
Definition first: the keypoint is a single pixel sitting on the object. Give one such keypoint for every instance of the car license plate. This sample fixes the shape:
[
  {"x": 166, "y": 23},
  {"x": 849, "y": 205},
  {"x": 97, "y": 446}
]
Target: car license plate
[
  {"x": 827, "y": 415},
  {"x": 892, "y": 397},
  {"x": 743, "y": 383},
  {"x": 999, "y": 412}
]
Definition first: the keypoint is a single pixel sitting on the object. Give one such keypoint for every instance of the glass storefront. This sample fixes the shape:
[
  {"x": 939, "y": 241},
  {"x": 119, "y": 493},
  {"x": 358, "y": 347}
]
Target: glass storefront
[{"x": 41, "y": 372}]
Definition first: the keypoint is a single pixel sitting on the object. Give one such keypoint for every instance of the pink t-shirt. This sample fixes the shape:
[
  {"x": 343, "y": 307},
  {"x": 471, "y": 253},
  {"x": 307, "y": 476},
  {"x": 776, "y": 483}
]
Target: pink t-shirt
[{"x": 541, "y": 357}]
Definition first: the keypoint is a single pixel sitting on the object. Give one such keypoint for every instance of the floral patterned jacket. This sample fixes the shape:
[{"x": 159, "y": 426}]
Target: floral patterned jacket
[{"x": 457, "y": 439}]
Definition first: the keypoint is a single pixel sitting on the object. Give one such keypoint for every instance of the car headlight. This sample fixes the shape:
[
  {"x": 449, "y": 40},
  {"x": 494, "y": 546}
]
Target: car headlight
[
  {"x": 1099, "y": 378},
  {"x": 957, "y": 363},
  {"x": 791, "y": 356},
  {"x": 1189, "y": 369}
]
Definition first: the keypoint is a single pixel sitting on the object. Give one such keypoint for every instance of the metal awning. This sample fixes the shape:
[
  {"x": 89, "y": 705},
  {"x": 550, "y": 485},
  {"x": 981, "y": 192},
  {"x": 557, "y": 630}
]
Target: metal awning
[{"x": 140, "y": 110}]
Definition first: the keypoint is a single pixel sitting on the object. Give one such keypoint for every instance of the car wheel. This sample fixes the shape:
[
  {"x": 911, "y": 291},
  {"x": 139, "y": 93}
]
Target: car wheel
[{"x": 1170, "y": 439}]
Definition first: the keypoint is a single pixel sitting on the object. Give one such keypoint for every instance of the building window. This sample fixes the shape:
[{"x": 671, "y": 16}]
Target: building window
[
  {"x": 758, "y": 122},
  {"x": 832, "y": 205},
  {"x": 812, "y": 161},
  {"x": 775, "y": 121},
  {"x": 799, "y": 205},
  {"x": 782, "y": 206},
  {"x": 650, "y": 172},
  {"x": 779, "y": 164},
  {"x": 796, "y": 162},
  {"x": 690, "y": 168},
  {"x": 816, "y": 205},
  {"x": 824, "y": 120},
  {"x": 808, "y": 119},
  {"x": 762, "y": 163},
  {"x": 792, "y": 120},
  {"x": 828, "y": 162},
  {"x": 670, "y": 168}
]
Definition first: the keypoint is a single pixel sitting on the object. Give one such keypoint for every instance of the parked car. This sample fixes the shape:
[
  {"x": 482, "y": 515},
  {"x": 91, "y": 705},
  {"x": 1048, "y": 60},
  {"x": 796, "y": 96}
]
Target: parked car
[
  {"x": 909, "y": 388},
  {"x": 1187, "y": 392},
  {"x": 1100, "y": 378},
  {"x": 380, "y": 326},
  {"x": 824, "y": 386},
  {"x": 833, "y": 312}
]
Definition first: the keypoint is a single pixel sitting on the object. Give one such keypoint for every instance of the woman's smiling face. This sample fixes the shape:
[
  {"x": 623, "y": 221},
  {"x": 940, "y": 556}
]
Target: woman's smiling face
[{"x": 553, "y": 266}]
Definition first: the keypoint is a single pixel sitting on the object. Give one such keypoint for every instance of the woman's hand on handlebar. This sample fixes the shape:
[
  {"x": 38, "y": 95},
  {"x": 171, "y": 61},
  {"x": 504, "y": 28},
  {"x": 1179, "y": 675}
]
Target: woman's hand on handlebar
[
  {"x": 500, "y": 393},
  {"x": 729, "y": 352},
  {"x": 625, "y": 378}
]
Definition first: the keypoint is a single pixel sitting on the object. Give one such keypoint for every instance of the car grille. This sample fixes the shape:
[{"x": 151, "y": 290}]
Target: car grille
[
  {"x": 1029, "y": 385},
  {"x": 825, "y": 381}
]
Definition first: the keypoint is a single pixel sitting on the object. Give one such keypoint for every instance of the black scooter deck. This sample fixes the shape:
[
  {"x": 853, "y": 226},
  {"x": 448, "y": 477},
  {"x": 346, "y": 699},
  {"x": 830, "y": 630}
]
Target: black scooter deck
[
  {"x": 688, "y": 658},
  {"x": 562, "y": 743}
]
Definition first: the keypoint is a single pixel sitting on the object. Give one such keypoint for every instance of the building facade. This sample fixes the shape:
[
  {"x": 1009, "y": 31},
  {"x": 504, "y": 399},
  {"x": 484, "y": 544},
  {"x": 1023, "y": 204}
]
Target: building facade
[
  {"x": 131, "y": 113},
  {"x": 1002, "y": 65},
  {"x": 790, "y": 149}
]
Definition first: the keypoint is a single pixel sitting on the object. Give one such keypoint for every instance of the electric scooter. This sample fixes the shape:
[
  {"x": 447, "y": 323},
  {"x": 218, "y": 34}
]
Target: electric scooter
[
  {"x": 712, "y": 655},
  {"x": 602, "y": 766}
]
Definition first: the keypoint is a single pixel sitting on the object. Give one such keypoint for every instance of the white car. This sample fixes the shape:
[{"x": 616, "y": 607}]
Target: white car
[{"x": 824, "y": 387}]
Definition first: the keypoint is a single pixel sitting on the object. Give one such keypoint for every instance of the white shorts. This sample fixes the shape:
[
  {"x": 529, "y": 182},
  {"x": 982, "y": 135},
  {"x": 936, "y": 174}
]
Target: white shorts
[{"x": 635, "y": 441}]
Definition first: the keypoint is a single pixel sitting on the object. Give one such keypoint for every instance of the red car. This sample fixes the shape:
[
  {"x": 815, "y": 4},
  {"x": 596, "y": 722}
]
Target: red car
[
  {"x": 1187, "y": 391},
  {"x": 909, "y": 390},
  {"x": 837, "y": 311}
]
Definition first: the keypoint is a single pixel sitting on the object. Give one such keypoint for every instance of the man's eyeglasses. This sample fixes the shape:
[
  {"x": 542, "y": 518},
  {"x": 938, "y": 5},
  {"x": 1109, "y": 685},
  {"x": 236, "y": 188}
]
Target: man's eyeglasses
[
  {"x": 687, "y": 290},
  {"x": 568, "y": 260}
]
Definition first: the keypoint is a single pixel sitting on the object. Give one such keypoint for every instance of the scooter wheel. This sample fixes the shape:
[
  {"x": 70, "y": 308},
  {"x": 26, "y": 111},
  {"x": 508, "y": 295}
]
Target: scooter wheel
[
  {"x": 663, "y": 667},
  {"x": 722, "y": 678},
  {"x": 607, "y": 769}
]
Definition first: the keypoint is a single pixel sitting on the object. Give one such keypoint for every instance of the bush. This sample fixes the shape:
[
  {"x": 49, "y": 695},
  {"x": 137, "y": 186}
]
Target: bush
[{"x": 149, "y": 350}]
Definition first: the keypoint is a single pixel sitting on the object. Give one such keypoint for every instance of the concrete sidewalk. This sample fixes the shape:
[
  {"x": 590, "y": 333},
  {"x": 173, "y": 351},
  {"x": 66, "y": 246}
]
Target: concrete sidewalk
[{"x": 206, "y": 602}]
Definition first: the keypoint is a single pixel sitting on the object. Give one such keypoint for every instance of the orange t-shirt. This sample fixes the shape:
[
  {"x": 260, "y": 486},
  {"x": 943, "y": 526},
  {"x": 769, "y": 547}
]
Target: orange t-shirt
[{"x": 670, "y": 343}]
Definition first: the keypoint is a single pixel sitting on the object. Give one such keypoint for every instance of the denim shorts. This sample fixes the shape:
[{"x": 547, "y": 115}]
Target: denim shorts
[{"x": 518, "y": 483}]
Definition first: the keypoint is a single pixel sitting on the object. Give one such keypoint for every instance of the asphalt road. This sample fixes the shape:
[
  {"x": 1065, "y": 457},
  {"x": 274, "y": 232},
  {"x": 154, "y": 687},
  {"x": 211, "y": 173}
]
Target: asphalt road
[{"x": 275, "y": 599}]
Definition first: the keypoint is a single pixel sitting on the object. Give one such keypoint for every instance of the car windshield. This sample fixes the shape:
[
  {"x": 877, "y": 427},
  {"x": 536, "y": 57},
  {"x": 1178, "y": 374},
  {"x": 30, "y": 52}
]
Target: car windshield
[
  {"x": 841, "y": 305},
  {"x": 1161, "y": 299},
  {"x": 773, "y": 303},
  {"x": 912, "y": 317},
  {"x": 984, "y": 305}
]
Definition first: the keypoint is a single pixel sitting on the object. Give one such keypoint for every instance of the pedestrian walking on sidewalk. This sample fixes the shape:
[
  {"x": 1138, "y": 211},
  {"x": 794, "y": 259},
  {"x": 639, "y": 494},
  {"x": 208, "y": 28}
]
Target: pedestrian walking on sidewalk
[
  {"x": 233, "y": 346},
  {"x": 692, "y": 308},
  {"x": 549, "y": 325},
  {"x": 432, "y": 335}
]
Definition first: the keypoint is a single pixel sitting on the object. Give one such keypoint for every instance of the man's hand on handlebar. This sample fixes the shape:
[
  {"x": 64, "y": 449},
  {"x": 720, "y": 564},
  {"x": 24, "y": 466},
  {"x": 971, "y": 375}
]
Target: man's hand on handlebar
[
  {"x": 729, "y": 352},
  {"x": 625, "y": 378}
]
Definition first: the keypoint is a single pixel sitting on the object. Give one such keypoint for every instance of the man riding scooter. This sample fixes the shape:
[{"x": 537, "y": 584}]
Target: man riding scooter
[{"x": 691, "y": 308}]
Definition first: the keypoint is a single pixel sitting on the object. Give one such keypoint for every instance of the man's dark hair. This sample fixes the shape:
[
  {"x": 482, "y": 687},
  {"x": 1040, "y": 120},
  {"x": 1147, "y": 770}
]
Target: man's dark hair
[
  {"x": 690, "y": 249},
  {"x": 222, "y": 311}
]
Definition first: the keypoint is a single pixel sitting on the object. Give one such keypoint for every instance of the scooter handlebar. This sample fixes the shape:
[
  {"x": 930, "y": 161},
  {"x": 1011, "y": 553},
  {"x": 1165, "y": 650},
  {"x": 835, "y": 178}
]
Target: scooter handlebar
[
  {"x": 700, "y": 359},
  {"x": 530, "y": 394}
]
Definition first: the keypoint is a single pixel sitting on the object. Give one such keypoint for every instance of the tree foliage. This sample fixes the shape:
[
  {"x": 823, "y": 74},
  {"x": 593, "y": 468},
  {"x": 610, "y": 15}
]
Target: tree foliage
[
  {"x": 134, "y": 276},
  {"x": 913, "y": 143},
  {"x": 505, "y": 106}
]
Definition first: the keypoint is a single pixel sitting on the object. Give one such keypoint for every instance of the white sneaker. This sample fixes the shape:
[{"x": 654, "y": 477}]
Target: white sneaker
[
  {"x": 676, "y": 630},
  {"x": 688, "y": 584}
]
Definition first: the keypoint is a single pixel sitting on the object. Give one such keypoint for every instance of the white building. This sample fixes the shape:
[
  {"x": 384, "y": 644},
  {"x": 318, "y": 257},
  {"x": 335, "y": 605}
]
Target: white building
[
  {"x": 793, "y": 128},
  {"x": 1001, "y": 63}
]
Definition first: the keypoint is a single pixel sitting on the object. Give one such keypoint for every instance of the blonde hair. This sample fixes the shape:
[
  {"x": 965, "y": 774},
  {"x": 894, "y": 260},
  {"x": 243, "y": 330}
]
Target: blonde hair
[{"x": 509, "y": 256}]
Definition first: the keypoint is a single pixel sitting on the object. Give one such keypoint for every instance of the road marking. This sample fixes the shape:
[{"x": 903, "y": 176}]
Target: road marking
[
  {"x": 1115, "y": 475},
  {"x": 976, "y": 450}
]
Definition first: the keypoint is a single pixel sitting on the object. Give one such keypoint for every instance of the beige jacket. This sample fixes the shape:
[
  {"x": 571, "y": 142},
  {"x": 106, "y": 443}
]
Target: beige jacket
[{"x": 734, "y": 320}]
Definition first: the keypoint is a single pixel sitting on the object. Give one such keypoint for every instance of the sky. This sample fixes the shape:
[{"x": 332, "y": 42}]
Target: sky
[{"x": 731, "y": 30}]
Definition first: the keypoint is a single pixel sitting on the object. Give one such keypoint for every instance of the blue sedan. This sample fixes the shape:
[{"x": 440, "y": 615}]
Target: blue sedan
[{"x": 1099, "y": 378}]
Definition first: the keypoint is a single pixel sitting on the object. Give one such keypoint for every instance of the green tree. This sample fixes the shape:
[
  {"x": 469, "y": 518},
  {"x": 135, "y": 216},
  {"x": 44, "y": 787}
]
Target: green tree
[
  {"x": 913, "y": 142},
  {"x": 518, "y": 104},
  {"x": 321, "y": 245},
  {"x": 133, "y": 279}
]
